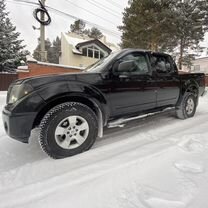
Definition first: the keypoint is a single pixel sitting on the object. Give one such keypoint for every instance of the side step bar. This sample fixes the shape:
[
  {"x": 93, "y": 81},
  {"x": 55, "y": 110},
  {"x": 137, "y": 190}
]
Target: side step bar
[{"x": 121, "y": 122}]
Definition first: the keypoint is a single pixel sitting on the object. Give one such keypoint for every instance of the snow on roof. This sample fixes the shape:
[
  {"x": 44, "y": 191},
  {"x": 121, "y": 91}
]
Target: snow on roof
[
  {"x": 19, "y": 70},
  {"x": 74, "y": 40},
  {"x": 30, "y": 59},
  {"x": 22, "y": 67},
  {"x": 76, "y": 51},
  {"x": 60, "y": 65}
]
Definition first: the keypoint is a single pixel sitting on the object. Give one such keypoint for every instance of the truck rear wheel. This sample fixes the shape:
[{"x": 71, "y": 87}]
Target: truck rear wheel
[
  {"x": 68, "y": 129},
  {"x": 188, "y": 106}
]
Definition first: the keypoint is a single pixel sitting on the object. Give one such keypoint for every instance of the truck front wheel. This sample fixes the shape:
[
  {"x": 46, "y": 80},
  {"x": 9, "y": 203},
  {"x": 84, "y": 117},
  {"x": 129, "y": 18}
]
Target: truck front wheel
[
  {"x": 68, "y": 129},
  {"x": 187, "y": 107}
]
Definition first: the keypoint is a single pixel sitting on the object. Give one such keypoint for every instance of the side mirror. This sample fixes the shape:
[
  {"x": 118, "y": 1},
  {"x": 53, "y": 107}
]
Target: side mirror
[{"x": 126, "y": 66}]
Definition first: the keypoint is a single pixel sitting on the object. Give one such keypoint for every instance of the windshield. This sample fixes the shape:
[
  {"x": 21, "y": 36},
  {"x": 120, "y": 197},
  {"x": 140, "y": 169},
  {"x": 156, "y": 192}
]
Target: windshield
[{"x": 99, "y": 65}]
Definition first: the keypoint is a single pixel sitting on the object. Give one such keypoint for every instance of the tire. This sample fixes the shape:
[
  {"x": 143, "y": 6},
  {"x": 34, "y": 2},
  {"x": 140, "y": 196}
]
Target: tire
[
  {"x": 187, "y": 108},
  {"x": 68, "y": 129}
]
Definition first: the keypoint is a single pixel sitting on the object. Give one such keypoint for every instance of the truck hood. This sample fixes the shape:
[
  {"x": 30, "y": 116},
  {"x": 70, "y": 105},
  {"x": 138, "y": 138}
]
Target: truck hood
[{"x": 86, "y": 77}]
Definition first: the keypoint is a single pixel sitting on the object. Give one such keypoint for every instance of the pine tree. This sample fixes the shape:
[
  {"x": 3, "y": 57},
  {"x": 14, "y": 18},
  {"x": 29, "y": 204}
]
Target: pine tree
[
  {"x": 77, "y": 27},
  {"x": 53, "y": 50},
  {"x": 165, "y": 25},
  {"x": 11, "y": 48},
  {"x": 36, "y": 52},
  {"x": 191, "y": 22},
  {"x": 95, "y": 33},
  {"x": 147, "y": 24},
  {"x": 56, "y": 48}
]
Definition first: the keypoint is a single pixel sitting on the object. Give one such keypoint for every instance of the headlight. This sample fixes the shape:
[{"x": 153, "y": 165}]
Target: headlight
[{"x": 18, "y": 91}]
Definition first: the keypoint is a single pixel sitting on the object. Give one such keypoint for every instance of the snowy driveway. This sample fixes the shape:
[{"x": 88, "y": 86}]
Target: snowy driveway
[{"x": 157, "y": 162}]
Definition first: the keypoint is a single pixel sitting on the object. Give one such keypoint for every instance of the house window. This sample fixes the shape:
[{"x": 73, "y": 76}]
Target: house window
[
  {"x": 101, "y": 54},
  {"x": 97, "y": 54},
  {"x": 92, "y": 52},
  {"x": 84, "y": 51}
]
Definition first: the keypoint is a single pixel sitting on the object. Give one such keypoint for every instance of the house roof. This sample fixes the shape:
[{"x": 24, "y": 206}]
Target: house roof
[
  {"x": 94, "y": 41},
  {"x": 74, "y": 40},
  {"x": 77, "y": 42}
]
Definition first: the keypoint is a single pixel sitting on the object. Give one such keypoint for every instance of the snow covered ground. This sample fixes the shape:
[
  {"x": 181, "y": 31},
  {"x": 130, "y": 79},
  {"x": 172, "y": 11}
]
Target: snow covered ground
[{"x": 154, "y": 162}]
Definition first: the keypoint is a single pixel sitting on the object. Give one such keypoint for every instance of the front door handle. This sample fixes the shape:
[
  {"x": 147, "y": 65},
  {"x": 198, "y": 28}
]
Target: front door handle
[{"x": 123, "y": 76}]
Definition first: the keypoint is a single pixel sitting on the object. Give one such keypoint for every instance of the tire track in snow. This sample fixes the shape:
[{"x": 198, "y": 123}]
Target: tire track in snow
[
  {"x": 108, "y": 151},
  {"x": 100, "y": 169},
  {"x": 39, "y": 190},
  {"x": 160, "y": 133}
]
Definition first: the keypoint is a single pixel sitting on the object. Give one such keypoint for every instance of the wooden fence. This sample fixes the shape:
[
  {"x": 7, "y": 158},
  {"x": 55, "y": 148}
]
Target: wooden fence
[{"x": 6, "y": 80}]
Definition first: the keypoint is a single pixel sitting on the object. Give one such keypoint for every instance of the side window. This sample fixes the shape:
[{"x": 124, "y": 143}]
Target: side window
[
  {"x": 139, "y": 64},
  {"x": 161, "y": 64}
]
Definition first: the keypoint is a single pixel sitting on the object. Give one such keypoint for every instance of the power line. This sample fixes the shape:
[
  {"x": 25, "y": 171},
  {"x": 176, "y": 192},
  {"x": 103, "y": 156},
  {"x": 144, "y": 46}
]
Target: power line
[
  {"x": 90, "y": 12},
  {"x": 61, "y": 13},
  {"x": 101, "y": 6},
  {"x": 107, "y": 7},
  {"x": 114, "y": 33},
  {"x": 24, "y": 1},
  {"x": 115, "y": 4}
]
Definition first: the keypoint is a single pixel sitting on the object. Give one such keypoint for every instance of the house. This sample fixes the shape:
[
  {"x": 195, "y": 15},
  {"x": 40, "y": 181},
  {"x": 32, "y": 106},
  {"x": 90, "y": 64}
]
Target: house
[
  {"x": 82, "y": 51},
  {"x": 200, "y": 65}
]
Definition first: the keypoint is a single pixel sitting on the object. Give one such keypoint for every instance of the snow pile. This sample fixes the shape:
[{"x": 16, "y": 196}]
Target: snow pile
[{"x": 153, "y": 162}]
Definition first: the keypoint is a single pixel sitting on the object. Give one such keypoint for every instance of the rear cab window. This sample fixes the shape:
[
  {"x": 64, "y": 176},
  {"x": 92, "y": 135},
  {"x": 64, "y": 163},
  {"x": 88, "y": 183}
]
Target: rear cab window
[{"x": 162, "y": 64}]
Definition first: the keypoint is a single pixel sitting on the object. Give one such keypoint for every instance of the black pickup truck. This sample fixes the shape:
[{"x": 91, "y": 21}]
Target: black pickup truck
[{"x": 72, "y": 109}]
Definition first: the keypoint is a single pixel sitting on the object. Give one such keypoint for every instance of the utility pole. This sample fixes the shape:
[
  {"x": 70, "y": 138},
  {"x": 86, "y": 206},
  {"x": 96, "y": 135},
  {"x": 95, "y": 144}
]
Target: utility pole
[{"x": 43, "y": 52}]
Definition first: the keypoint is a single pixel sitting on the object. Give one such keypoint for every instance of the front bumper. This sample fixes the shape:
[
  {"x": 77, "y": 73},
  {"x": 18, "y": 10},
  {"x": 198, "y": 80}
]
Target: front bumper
[{"x": 18, "y": 126}]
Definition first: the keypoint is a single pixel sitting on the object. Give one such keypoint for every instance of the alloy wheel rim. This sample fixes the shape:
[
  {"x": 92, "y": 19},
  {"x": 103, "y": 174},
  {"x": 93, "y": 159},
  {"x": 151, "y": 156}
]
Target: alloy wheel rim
[
  {"x": 190, "y": 106},
  {"x": 71, "y": 132}
]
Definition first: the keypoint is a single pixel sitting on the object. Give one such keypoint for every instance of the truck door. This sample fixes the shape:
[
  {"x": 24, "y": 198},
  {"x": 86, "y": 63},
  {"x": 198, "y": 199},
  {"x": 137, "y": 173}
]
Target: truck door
[
  {"x": 133, "y": 88},
  {"x": 166, "y": 76}
]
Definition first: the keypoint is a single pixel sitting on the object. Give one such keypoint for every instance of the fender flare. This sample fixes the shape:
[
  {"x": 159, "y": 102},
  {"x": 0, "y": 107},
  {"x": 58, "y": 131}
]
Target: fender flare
[
  {"x": 188, "y": 86},
  {"x": 60, "y": 92}
]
